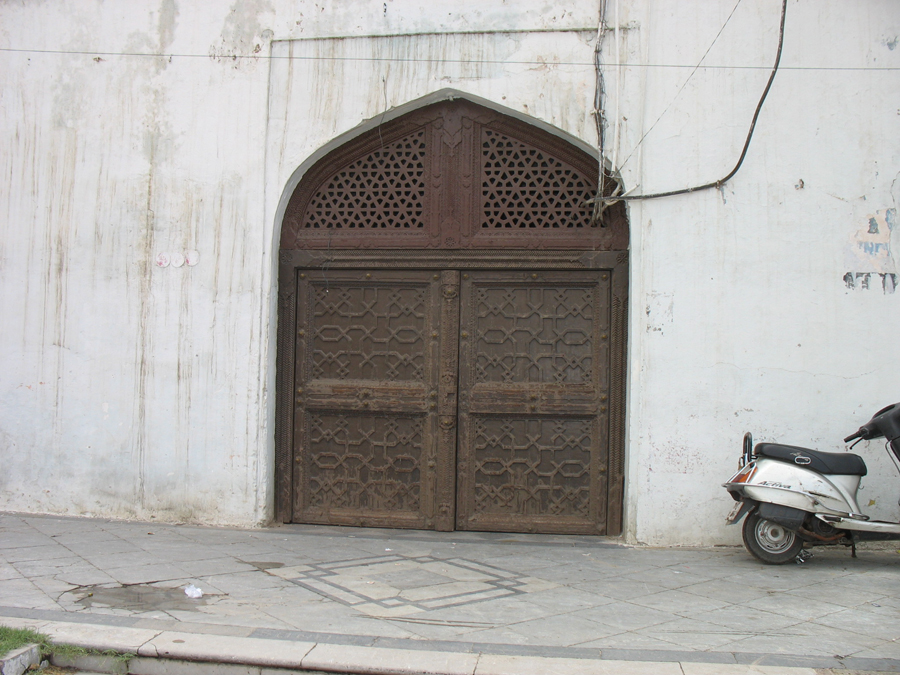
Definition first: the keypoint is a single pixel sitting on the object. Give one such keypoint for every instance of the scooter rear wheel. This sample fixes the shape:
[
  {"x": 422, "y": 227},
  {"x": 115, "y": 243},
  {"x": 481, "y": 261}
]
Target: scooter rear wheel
[{"x": 770, "y": 542}]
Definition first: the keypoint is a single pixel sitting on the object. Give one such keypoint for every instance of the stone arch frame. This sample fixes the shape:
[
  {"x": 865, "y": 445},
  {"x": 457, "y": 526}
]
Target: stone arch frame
[{"x": 606, "y": 251}]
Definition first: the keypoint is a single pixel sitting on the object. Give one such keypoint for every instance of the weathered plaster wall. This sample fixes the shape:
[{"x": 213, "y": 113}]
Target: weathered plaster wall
[
  {"x": 134, "y": 390},
  {"x": 741, "y": 315},
  {"x": 128, "y": 389}
]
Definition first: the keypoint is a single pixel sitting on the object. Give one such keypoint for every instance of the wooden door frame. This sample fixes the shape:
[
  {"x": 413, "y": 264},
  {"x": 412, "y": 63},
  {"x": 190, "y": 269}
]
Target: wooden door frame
[{"x": 614, "y": 263}]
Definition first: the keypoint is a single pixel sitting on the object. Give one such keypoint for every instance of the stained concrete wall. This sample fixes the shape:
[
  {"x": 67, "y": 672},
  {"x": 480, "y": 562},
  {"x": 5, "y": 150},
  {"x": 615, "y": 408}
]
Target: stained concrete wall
[
  {"x": 741, "y": 315},
  {"x": 133, "y": 389},
  {"x": 129, "y": 389}
]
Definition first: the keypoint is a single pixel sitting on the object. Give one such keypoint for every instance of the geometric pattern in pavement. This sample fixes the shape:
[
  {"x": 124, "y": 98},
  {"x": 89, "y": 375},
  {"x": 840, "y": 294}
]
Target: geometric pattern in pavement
[
  {"x": 398, "y": 585},
  {"x": 713, "y": 605}
]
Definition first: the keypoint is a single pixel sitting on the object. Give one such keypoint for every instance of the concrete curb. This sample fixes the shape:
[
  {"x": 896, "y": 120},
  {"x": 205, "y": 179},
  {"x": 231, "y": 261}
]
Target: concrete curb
[
  {"x": 179, "y": 653},
  {"x": 375, "y": 661},
  {"x": 91, "y": 663},
  {"x": 19, "y": 660}
]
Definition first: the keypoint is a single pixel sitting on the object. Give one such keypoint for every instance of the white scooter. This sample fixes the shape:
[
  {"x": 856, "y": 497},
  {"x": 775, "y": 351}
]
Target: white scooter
[{"x": 794, "y": 496}]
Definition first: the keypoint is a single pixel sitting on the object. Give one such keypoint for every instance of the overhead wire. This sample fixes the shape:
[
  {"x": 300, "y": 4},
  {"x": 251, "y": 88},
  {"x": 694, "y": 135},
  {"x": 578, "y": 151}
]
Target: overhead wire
[
  {"x": 367, "y": 59},
  {"x": 598, "y": 114},
  {"x": 616, "y": 120},
  {"x": 681, "y": 88},
  {"x": 717, "y": 183}
]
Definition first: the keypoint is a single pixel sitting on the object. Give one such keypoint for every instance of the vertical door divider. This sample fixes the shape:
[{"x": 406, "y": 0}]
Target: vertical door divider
[{"x": 448, "y": 385}]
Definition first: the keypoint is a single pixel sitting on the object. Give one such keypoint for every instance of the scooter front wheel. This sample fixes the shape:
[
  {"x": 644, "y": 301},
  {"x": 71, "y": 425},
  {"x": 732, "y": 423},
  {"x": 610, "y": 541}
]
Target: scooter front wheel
[{"x": 770, "y": 542}]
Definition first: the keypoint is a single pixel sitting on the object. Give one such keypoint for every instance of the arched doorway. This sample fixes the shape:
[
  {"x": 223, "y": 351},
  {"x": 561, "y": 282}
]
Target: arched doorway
[{"x": 452, "y": 332}]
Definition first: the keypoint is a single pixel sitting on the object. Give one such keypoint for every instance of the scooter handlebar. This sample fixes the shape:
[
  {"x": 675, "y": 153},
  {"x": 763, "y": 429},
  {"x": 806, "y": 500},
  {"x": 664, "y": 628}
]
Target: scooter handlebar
[
  {"x": 885, "y": 423},
  {"x": 865, "y": 432}
]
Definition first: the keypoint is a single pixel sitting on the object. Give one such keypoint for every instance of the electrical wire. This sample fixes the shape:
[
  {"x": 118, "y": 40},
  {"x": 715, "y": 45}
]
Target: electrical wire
[
  {"x": 726, "y": 178},
  {"x": 599, "y": 116},
  {"x": 368, "y": 59},
  {"x": 616, "y": 119},
  {"x": 712, "y": 44}
]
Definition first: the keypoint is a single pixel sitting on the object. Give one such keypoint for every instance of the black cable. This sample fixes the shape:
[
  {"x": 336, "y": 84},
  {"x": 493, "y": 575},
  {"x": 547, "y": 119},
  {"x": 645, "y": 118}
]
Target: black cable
[
  {"x": 599, "y": 117},
  {"x": 681, "y": 88},
  {"x": 715, "y": 184},
  {"x": 361, "y": 59}
]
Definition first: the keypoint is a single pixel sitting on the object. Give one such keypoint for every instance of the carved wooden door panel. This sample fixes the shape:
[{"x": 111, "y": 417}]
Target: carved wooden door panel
[
  {"x": 375, "y": 398},
  {"x": 442, "y": 273},
  {"x": 534, "y": 382}
]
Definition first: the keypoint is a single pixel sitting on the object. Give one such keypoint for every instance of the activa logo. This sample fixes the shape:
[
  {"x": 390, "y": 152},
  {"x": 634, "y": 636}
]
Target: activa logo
[{"x": 775, "y": 484}]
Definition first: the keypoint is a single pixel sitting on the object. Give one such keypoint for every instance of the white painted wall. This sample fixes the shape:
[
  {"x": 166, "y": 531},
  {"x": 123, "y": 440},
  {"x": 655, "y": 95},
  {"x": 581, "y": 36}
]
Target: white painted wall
[
  {"x": 132, "y": 390},
  {"x": 741, "y": 319}
]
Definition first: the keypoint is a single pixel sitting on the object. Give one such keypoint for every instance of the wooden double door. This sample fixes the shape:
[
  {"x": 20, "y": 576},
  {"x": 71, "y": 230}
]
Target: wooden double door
[
  {"x": 446, "y": 399},
  {"x": 451, "y": 329}
]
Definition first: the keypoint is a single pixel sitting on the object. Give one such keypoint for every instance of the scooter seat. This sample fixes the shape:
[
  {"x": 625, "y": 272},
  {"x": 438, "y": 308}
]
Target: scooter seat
[{"x": 841, "y": 463}]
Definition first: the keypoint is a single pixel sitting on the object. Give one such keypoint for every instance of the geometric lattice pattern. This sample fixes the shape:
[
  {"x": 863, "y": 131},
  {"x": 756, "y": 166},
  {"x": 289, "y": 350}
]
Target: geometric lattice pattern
[
  {"x": 364, "y": 461},
  {"x": 393, "y": 585},
  {"x": 453, "y": 176},
  {"x": 369, "y": 333},
  {"x": 525, "y": 188},
  {"x": 531, "y": 467},
  {"x": 385, "y": 189},
  {"x": 533, "y": 335}
]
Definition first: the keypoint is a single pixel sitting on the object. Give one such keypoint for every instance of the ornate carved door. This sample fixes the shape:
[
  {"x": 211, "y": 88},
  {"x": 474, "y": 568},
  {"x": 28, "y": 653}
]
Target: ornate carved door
[
  {"x": 452, "y": 332},
  {"x": 375, "y": 388},
  {"x": 534, "y": 385}
]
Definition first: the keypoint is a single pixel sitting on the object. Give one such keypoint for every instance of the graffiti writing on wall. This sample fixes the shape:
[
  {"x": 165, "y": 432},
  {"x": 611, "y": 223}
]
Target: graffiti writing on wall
[
  {"x": 873, "y": 252},
  {"x": 866, "y": 280}
]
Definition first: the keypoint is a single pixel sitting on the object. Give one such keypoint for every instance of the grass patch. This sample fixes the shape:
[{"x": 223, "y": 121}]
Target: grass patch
[
  {"x": 72, "y": 651},
  {"x": 13, "y": 638}
]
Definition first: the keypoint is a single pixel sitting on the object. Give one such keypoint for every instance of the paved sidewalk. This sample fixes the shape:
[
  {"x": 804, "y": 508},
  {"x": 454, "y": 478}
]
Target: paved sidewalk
[{"x": 364, "y": 600}]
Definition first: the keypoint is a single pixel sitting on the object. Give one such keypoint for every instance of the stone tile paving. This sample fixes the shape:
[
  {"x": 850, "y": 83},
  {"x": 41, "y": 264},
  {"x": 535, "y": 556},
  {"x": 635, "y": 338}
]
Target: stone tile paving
[{"x": 564, "y": 596}]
